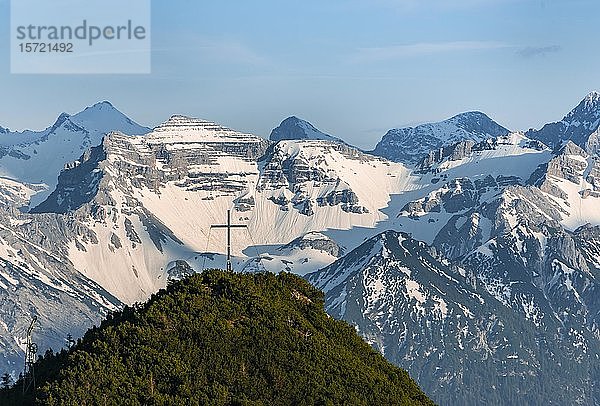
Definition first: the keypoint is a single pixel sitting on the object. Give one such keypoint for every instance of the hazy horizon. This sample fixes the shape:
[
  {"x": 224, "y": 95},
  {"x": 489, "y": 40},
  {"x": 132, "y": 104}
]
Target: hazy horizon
[
  {"x": 352, "y": 68},
  {"x": 266, "y": 135}
]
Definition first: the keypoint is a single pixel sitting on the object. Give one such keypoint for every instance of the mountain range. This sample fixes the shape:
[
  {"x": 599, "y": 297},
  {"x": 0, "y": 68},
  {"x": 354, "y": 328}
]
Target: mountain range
[{"x": 464, "y": 252}]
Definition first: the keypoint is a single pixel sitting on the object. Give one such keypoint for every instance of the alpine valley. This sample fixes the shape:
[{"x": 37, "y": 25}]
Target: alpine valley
[{"x": 466, "y": 253}]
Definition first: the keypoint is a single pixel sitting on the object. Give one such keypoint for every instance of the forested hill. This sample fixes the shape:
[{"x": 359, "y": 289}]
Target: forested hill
[{"x": 222, "y": 338}]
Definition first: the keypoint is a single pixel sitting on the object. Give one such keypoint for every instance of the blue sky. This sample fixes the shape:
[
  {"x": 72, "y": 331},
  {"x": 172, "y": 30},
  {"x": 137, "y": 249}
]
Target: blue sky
[{"x": 354, "y": 68}]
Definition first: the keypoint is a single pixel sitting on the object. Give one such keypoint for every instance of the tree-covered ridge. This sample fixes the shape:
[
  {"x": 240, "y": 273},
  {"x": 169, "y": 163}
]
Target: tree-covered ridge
[{"x": 221, "y": 338}]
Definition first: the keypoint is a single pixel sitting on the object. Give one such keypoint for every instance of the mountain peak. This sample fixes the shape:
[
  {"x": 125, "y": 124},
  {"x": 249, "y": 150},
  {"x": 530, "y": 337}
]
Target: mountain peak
[
  {"x": 104, "y": 103},
  {"x": 591, "y": 101},
  {"x": 593, "y": 96},
  {"x": 180, "y": 122},
  {"x": 101, "y": 106},
  {"x": 586, "y": 113},
  {"x": 294, "y": 128},
  {"x": 190, "y": 129},
  {"x": 587, "y": 109},
  {"x": 412, "y": 144},
  {"x": 62, "y": 118},
  {"x": 293, "y": 119},
  {"x": 104, "y": 117},
  {"x": 471, "y": 114},
  {"x": 578, "y": 125},
  {"x": 476, "y": 122}
]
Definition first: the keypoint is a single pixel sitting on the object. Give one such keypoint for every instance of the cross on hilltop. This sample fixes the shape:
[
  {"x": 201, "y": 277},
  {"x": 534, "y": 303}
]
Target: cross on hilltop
[{"x": 229, "y": 226}]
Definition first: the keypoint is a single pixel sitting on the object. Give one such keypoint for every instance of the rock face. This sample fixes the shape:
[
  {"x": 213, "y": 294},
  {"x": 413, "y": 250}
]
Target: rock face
[
  {"x": 580, "y": 126},
  {"x": 571, "y": 163},
  {"x": 315, "y": 241},
  {"x": 446, "y": 326},
  {"x": 458, "y": 195},
  {"x": 183, "y": 150},
  {"x": 466, "y": 149},
  {"x": 308, "y": 174},
  {"x": 523, "y": 240},
  {"x": 37, "y": 279},
  {"x": 38, "y": 157},
  {"x": 77, "y": 184},
  {"x": 413, "y": 144}
]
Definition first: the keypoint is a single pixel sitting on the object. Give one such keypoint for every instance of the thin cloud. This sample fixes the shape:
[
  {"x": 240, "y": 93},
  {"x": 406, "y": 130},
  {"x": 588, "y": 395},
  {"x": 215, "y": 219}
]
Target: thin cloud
[
  {"x": 217, "y": 51},
  {"x": 379, "y": 54},
  {"x": 531, "y": 52},
  {"x": 232, "y": 52}
]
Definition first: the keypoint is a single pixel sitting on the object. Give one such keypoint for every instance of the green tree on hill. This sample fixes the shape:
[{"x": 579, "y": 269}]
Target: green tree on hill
[{"x": 220, "y": 338}]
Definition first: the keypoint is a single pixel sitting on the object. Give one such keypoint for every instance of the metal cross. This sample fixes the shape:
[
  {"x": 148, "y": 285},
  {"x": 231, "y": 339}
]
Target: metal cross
[{"x": 229, "y": 226}]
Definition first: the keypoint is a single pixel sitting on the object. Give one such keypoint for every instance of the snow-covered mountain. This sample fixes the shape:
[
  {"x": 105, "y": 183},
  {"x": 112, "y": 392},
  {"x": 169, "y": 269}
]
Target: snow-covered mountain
[
  {"x": 502, "y": 218},
  {"x": 410, "y": 145},
  {"x": 151, "y": 200},
  {"x": 294, "y": 128},
  {"x": 580, "y": 126},
  {"x": 461, "y": 344},
  {"x": 37, "y": 279},
  {"x": 134, "y": 211},
  {"x": 38, "y": 157},
  {"x": 522, "y": 222}
]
